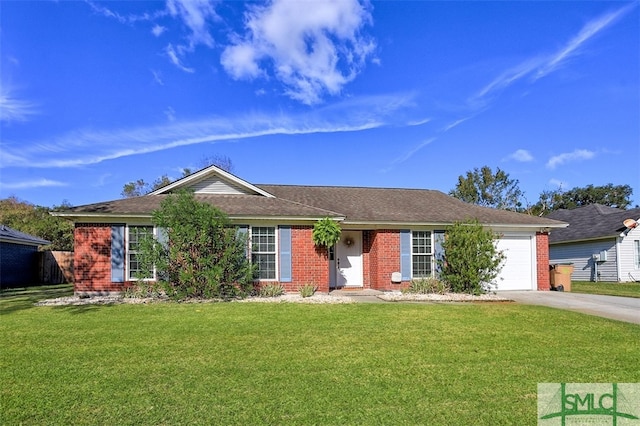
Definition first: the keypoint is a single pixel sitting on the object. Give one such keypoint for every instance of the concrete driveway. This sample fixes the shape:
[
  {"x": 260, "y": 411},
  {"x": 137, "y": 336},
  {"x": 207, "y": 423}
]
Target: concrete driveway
[{"x": 614, "y": 307}]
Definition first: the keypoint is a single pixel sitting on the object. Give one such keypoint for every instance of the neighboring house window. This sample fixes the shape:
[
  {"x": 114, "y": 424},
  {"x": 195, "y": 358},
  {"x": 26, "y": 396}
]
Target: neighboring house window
[
  {"x": 421, "y": 254},
  {"x": 637, "y": 254},
  {"x": 136, "y": 234},
  {"x": 263, "y": 251}
]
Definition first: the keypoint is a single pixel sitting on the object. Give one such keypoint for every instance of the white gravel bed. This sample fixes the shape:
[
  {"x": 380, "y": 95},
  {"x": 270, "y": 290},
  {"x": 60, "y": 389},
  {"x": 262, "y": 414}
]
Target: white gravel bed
[
  {"x": 397, "y": 296},
  {"x": 115, "y": 300}
]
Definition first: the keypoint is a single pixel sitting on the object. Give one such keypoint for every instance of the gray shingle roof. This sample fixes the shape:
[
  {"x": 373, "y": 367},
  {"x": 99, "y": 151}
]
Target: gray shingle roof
[
  {"x": 391, "y": 205},
  {"x": 590, "y": 222},
  {"x": 355, "y": 204},
  {"x": 232, "y": 205},
  {"x": 12, "y": 235}
]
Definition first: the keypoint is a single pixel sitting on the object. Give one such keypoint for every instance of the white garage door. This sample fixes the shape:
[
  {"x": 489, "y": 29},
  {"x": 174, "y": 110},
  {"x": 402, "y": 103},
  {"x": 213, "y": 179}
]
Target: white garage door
[{"x": 518, "y": 270}]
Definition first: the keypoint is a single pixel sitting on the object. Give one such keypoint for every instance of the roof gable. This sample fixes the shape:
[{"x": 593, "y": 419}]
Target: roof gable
[
  {"x": 594, "y": 221},
  {"x": 213, "y": 180}
]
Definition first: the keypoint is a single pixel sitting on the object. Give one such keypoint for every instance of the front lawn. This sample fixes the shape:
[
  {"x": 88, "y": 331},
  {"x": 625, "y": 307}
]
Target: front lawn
[
  {"x": 255, "y": 363},
  {"x": 610, "y": 289}
]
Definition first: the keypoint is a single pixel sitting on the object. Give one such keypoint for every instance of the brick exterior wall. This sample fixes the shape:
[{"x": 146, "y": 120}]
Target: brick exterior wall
[
  {"x": 92, "y": 259},
  {"x": 381, "y": 258},
  {"x": 542, "y": 253},
  {"x": 309, "y": 265}
]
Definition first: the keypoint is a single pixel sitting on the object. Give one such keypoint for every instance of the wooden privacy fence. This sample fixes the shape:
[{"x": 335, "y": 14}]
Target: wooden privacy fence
[{"x": 55, "y": 267}]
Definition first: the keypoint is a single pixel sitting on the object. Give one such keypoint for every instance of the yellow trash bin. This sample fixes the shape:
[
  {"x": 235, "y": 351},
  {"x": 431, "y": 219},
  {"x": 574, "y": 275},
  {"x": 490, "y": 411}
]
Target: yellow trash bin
[{"x": 560, "y": 275}]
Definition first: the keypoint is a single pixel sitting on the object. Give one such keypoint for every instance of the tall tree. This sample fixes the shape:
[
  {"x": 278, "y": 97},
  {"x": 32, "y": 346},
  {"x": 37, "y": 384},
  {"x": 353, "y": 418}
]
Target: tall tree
[
  {"x": 486, "y": 188},
  {"x": 140, "y": 187},
  {"x": 618, "y": 196},
  {"x": 36, "y": 220}
]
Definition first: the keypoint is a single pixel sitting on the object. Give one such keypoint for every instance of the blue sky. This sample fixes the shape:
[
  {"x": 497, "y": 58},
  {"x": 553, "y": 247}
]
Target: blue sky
[{"x": 388, "y": 94}]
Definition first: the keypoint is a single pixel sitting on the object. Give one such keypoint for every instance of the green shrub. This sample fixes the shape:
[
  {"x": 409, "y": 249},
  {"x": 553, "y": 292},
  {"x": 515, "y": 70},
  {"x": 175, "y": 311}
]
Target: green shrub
[
  {"x": 271, "y": 290},
  {"x": 201, "y": 255},
  {"x": 307, "y": 290},
  {"x": 429, "y": 285},
  {"x": 471, "y": 260}
]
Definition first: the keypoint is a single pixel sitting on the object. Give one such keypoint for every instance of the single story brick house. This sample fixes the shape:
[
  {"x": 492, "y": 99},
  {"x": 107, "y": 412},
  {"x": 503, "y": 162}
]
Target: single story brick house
[
  {"x": 389, "y": 236},
  {"x": 598, "y": 243},
  {"x": 18, "y": 257}
]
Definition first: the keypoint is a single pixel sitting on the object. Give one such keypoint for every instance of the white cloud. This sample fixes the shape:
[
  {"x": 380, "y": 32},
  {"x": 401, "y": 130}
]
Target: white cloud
[
  {"x": 314, "y": 47},
  {"x": 576, "y": 155},
  {"x": 521, "y": 155},
  {"x": 157, "y": 77},
  {"x": 173, "y": 57},
  {"x": 592, "y": 28},
  {"x": 419, "y": 122},
  {"x": 158, "y": 30},
  {"x": 83, "y": 147},
  {"x": 558, "y": 183},
  {"x": 408, "y": 154},
  {"x": 13, "y": 109},
  {"x": 196, "y": 15},
  {"x": 40, "y": 183},
  {"x": 542, "y": 65},
  {"x": 170, "y": 113}
]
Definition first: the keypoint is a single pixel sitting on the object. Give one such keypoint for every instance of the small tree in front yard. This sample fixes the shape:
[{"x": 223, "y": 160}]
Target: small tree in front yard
[
  {"x": 471, "y": 259},
  {"x": 201, "y": 255}
]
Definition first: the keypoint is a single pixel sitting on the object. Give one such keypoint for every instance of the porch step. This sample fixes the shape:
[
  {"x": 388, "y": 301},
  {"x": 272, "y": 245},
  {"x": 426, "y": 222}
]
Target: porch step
[{"x": 355, "y": 292}]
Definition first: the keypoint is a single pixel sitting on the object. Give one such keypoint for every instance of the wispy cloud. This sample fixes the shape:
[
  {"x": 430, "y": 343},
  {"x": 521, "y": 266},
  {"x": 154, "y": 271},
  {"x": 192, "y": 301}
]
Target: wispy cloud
[
  {"x": 576, "y": 155},
  {"x": 196, "y": 16},
  {"x": 541, "y": 65},
  {"x": 175, "y": 60},
  {"x": 573, "y": 46},
  {"x": 312, "y": 48},
  {"x": 158, "y": 30},
  {"x": 170, "y": 113},
  {"x": 558, "y": 183},
  {"x": 520, "y": 155},
  {"x": 14, "y": 109},
  {"x": 157, "y": 77},
  {"x": 40, "y": 183},
  {"x": 419, "y": 122},
  {"x": 401, "y": 159},
  {"x": 84, "y": 147}
]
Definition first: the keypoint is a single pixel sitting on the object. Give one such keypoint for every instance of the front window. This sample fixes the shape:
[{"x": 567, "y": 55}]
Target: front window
[
  {"x": 637, "y": 254},
  {"x": 263, "y": 251},
  {"x": 422, "y": 254},
  {"x": 136, "y": 234}
]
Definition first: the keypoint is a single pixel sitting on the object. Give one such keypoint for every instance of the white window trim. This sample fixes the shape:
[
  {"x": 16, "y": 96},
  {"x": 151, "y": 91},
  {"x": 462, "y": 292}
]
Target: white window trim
[
  {"x": 637, "y": 253},
  {"x": 128, "y": 276},
  {"x": 432, "y": 254},
  {"x": 276, "y": 252}
]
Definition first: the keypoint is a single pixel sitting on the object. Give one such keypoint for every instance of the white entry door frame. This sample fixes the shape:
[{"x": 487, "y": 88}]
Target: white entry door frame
[{"x": 348, "y": 263}]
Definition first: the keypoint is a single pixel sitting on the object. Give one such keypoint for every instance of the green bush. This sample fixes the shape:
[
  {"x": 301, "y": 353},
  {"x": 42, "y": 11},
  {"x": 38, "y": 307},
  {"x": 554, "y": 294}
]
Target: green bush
[
  {"x": 471, "y": 259},
  {"x": 202, "y": 256},
  {"x": 271, "y": 290},
  {"x": 429, "y": 285},
  {"x": 307, "y": 290}
]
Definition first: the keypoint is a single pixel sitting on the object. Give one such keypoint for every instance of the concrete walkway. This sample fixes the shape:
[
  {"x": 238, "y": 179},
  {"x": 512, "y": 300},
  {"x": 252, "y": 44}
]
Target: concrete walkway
[
  {"x": 618, "y": 308},
  {"x": 359, "y": 296}
]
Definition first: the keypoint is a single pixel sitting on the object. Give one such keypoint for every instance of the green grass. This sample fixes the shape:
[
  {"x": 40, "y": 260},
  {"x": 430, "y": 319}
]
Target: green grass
[
  {"x": 610, "y": 289},
  {"x": 252, "y": 363}
]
